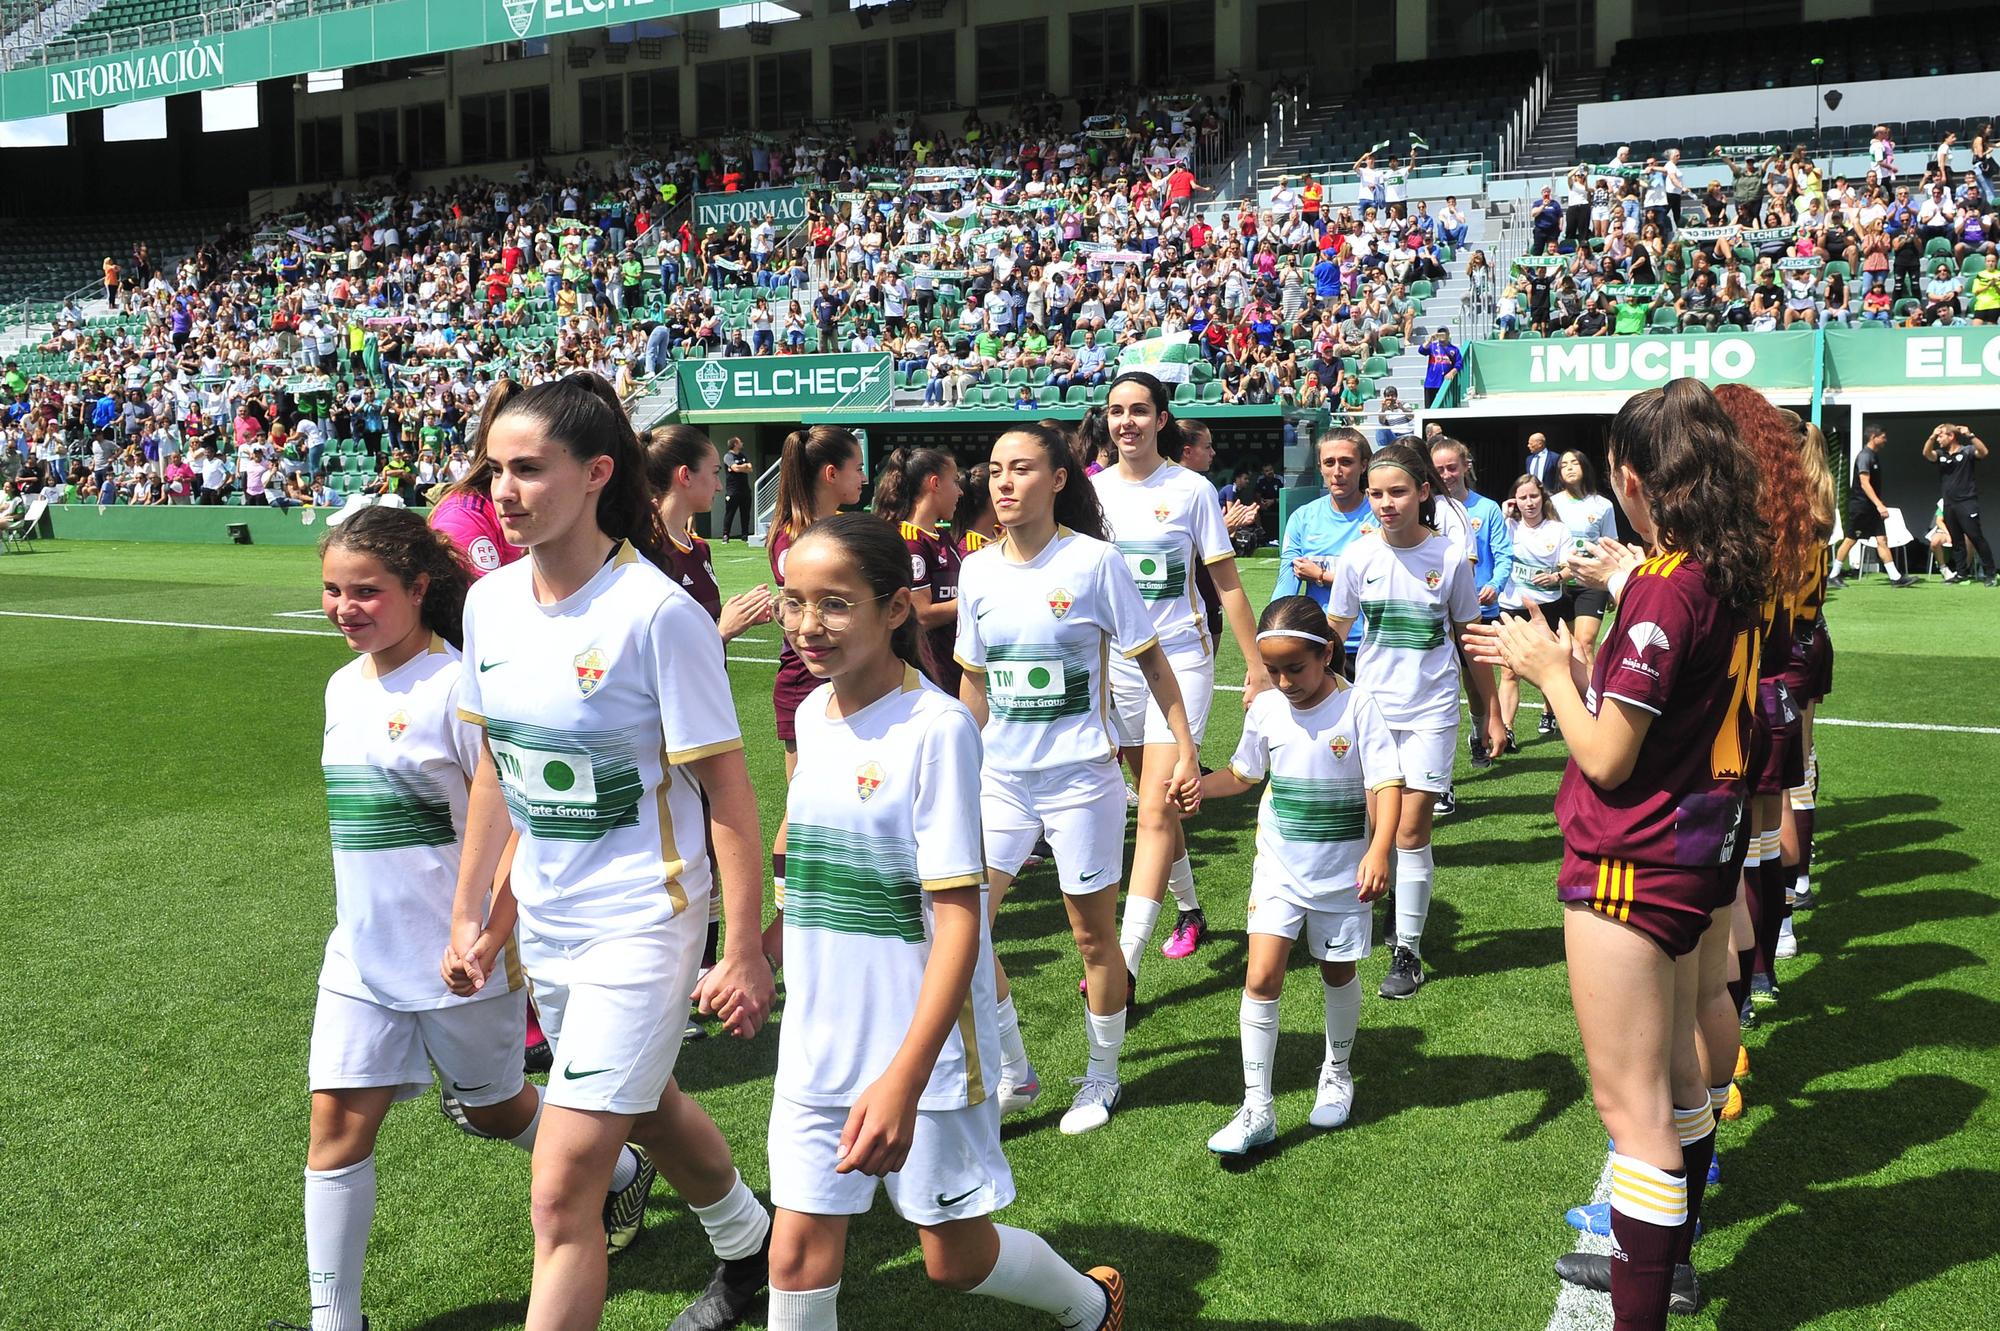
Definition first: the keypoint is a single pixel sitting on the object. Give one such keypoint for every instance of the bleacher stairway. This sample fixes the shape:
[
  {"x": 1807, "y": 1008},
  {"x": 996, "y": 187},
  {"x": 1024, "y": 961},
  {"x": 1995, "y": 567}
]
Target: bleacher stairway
[
  {"x": 1552, "y": 145},
  {"x": 1305, "y": 139}
]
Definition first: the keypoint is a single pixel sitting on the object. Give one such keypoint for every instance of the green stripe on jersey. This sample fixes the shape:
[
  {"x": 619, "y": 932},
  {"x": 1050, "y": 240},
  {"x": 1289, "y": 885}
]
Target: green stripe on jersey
[
  {"x": 847, "y": 883},
  {"x": 375, "y": 808},
  {"x": 566, "y": 785},
  {"x": 1034, "y": 684},
  {"x": 1159, "y": 567},
  {"x": 1316, "y": 809},
  {"x": 1407, "y": 624}
]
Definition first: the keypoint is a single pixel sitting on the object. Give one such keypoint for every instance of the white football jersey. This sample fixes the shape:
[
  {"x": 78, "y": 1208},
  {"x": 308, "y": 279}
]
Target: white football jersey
[
  {"x": 1410, "y": 602},
  {"x": 591, "y": 705},
  {"x": 398, "y": 764},
  {"x": 1163, "y": 526}
]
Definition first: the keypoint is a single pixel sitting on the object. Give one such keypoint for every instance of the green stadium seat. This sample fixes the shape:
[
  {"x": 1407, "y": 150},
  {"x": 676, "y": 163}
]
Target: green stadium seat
[
  {"x": 1211, "y": 392},
  {"x": 1187, "y": 393},
  {"x": 1377, "y": 366}
]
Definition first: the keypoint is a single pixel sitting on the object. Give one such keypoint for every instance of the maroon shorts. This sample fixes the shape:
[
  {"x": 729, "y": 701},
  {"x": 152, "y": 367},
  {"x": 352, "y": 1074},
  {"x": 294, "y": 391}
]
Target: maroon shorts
[
  {"x": 793, "y": 684},
  {"x": 1809, "y": 674},
  {"x": 1776, "y": 757},
  {"x": 1671, "y": 905}
]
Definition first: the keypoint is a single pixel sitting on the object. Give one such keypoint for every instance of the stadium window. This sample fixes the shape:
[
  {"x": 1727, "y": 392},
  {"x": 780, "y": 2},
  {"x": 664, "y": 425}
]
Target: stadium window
[
  {"x": 423, "y": 135},
  {"x": 35, "y": 132},
  {"x": 482, "y": 127},
  {"x": 1100, "y": 50},
  {"x": 376, "y": 146},
  {"x": 530, "y": 123},
  {"x": 927, "y": 72},
  {"x": 225, "y": 109},
  {"x": 1177, "y": 42},
  {"x": 860, "y": 78},
  {"x": 1283, "y": 31},
  {"x": 784, "y": 89},
  {"x": 136, "y": 121},
  {"x": 319, "y": 149},
  {"x": 601, "y": 112},
  {"x": 722, "y": 96},
  {"x": 1011, "y": 60},
  {"x": 656, "y": 104},
  {"x": 1565, "y": 30},
  {"x": 325, "y": 80},
  {"x": 1702, "y": 17}
]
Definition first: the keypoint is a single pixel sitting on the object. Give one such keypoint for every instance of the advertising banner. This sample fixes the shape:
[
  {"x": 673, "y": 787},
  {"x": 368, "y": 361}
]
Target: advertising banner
[
  {"x": 1629, "y": 364},
  {"x": 785, "y": 207},
  {"x": 1900, "y": 357},
  {"x": 785, "y": 383}
]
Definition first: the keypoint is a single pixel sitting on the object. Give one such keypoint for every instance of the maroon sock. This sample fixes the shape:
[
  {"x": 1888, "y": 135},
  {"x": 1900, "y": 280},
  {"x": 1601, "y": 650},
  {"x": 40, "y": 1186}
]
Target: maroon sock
[
  {"x": 1768, "y": 917},
  {"x": 1802, "y": 819},
  {"x": 1739, "y": 988},
  {"x": 1642, "y": 1272},
  {"x": 1695, "y": 1158}
]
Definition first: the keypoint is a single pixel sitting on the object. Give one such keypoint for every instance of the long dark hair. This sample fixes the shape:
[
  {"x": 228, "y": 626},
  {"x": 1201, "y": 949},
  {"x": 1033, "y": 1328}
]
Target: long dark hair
[
  {"x": 975, "y": 501},
  {"x": 478, "y": 479},
  {"x": 901, "y": 480},
  {"x": 668, "y": 449},
  {"x": 805, "y": 453},
  {"x": 883, "y": 562},
  {"x": 1172, "y": 442},
  {"x": 405, "y": 545},
  {"x": 1589, "y": 481},
  {"x": 582, "y": 413},
  {"x": 1702, "y": 485},
  {"x": 1417, "y": 462},
  {"x": 1076, "y": 505}
]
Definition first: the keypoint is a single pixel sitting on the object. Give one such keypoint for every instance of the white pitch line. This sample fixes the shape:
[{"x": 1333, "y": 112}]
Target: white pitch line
[
  {"x": 1577, "y": 1308},
  {"x": 1906, "y": 725},
  {"x": 172, "y": 624}
]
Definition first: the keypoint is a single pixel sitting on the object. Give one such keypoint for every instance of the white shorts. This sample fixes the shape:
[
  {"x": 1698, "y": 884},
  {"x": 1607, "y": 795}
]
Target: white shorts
[
  {"x": 614, "y": 1011},
  {"x": 1080, "y": 808},
  {"x": 1137, "y": 719},
  {"x": 956, "y": 1169},
  {"x": 1426, "y": 756},
  {"x": 1340, "y": 927},
  {"x": 476, "y": 1047}
]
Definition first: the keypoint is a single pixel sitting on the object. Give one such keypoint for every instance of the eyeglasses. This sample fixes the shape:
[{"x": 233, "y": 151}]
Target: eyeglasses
[{"x": 834, "y": 613}]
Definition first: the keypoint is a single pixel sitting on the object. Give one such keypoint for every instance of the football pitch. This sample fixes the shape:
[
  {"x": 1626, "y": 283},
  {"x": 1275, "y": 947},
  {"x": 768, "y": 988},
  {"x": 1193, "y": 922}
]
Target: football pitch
[{"x": 167, "y": 886}]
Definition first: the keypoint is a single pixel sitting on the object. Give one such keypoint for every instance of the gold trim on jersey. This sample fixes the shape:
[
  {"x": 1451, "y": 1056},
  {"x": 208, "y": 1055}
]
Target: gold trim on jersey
[
  {"x": 471, "y": 718},
  {"x": 685, "y": 756},
  {"x": 669, "y": 851},
  {"x": 977, "y": 878},
  {"x": 1385, "y": 785},
  {"x": 1136, "y": 652},
  {"x": 438, "y": 646},
  {"x": 1244, "y": 776},
  {"x": 510, "y": 956},
  {"x": 968, "y": 1035},
  {"x": 965, "y": 664},
  {"x": 624, "y": 555}
]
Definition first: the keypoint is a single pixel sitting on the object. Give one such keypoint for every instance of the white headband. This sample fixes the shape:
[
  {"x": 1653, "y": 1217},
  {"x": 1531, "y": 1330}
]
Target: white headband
[{"x": 1293, "y": 633}]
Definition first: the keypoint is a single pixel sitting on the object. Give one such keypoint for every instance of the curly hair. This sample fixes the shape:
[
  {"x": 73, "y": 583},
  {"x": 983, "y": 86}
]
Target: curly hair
[
  {"x": 1702, "y": 486},
  {"x": 1787, "y": 495},
  {"x": 408, "y": 548},
  {"x": 1818, "y": 473}
]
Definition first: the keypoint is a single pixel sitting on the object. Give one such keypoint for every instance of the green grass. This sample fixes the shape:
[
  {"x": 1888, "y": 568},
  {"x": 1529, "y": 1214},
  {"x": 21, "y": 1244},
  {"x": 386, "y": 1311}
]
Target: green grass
[{"x": 167, "y": 895}]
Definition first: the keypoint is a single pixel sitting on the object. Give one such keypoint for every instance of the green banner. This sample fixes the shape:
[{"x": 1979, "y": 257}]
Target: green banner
[
  {"x": 359, "y": 35},
  {"x": 722, "y": 385},
  {"x": 1629, "y": 364},
  {"x": 1927, "y": 357},
  {"x": 785, "y": 207}
]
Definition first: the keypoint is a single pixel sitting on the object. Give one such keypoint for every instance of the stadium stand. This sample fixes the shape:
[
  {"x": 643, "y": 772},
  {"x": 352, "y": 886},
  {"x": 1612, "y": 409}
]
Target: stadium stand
[{"x": 1455, "y": 106}]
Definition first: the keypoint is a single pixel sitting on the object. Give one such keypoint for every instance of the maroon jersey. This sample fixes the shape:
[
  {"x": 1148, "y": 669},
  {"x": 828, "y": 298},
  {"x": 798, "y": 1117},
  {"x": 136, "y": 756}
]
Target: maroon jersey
[
  {"x": 688, "y": 565},
  {"x": 1676, "y": 653},
  {"x": 794, "y": 681},
  {"x": 934, "y": 568},
  {"x": 1809, "y": 645}
]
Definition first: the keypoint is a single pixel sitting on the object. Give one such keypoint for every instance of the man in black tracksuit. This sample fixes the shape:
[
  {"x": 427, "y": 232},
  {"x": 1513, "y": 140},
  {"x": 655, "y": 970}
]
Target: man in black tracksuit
[{"x": 1956, "y": 450}]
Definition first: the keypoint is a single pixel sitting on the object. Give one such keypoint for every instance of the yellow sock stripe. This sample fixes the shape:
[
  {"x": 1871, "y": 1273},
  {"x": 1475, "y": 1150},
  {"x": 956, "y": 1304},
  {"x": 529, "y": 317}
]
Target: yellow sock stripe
[
  {"x": 1694, "y": 1124},
  {"x": 1718, "y": 1096},
  {"x": 1644, "y": 1189}
]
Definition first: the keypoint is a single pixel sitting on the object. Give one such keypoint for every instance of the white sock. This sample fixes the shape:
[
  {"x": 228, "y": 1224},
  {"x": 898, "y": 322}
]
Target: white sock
[
  {"x": 1343, "y": 1017},
  {"x": 340, "y": 1209},
  {"x": 737, "y": 1224},
  {"x": 625, "y": 1170},
  {"x": 526, "y": 1141},
  {"x": 1107, "y": 1037},
  {"x": 1031, "y": 1273},
  {"x": 1414, "y": 869},
  {"x": 1140, "y": 917},
  {"x": 1180, "y": 882},
  {"x": 1013, "y": 1052},
  {"x": 804, "y": 1309},
  {"x": 1257, "y": 1019}
]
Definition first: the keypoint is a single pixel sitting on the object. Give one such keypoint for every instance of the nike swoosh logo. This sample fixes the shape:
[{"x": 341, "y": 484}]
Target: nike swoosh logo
[
  {"x": 571, "y": 1074},
  {"x": 1086, "y": 877},
  {"x": 468, "y": 1090},
  {"x": 485, "y": 666},
  {"x": 330, "y": 729},
  {"x": 944, "y": 1201},
  {"x": 1372, "y": 581}
]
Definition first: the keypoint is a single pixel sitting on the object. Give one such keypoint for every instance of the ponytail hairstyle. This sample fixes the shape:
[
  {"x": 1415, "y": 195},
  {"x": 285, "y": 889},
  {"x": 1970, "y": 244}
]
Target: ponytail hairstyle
[
  {"x": 975, "y": 503},
  {"x": 1172, "y": 442},
  {"x": 1818, "y": 474},
  {"x": 1416, "y": 462},
  {"x": 404, "y": 544},
  {"x": 1790, "y": 533},
  {"x": 582, "y": 413},
  {"x": 806, "y": 453},
  {"x": 1091, "y": 439},
  {"x": 668, "y": 449},
  {"x": 1302, "y": 614},
  {"x": 478, "y": 479},
  {"x": 883, "y": 561},
  {"x": 1702, "y": 487},
  {"x": 902, "y": 479},
  {"x": 1076, "y": 504}
]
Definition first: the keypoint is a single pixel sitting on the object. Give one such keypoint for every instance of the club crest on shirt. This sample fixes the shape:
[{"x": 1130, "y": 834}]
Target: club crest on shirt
[
  {"x": 1432, "y": 579},
  {"x": 1060, "y": 602},
  {"x": 867, "y": 780},
  {"x": 1369, "y": 529},
  {"x": 1475, "y": 523},
  {"x": 590, "y": 668},
  {"x": 1162, "y": 512},
  {"x": 1340, "y": 745},
  {"x": 398, "y": 723}
]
